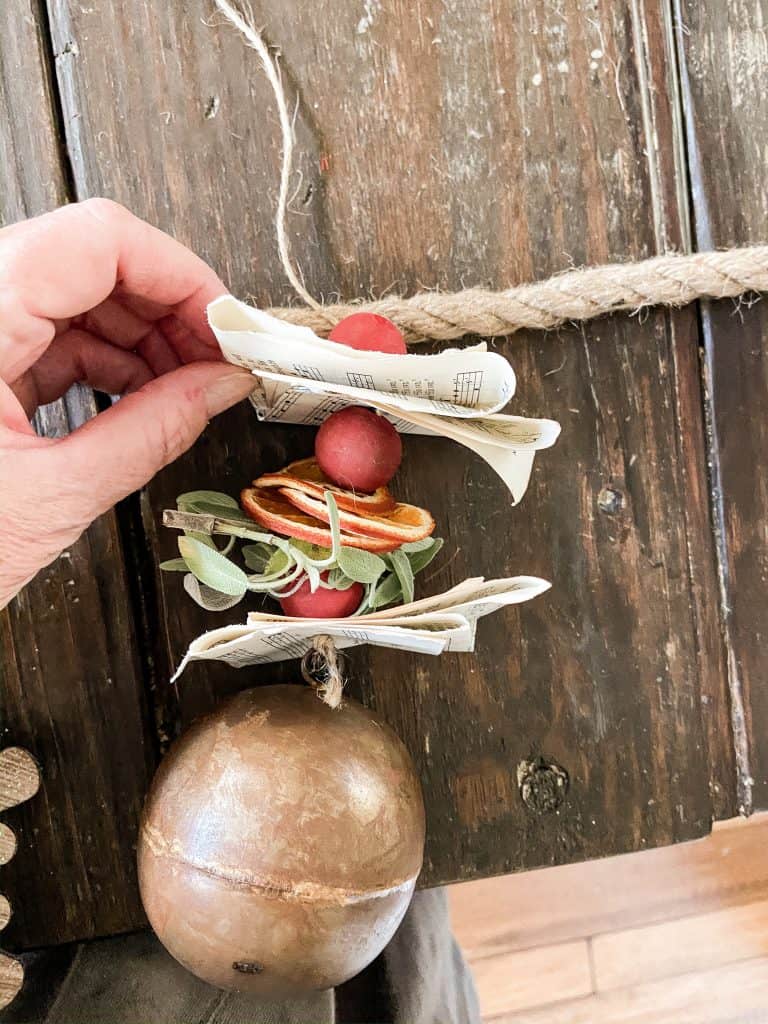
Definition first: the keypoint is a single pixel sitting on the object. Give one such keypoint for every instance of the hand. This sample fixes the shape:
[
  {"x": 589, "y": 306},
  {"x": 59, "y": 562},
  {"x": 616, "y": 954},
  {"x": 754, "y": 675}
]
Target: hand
[{"x": 91, "y": 293}]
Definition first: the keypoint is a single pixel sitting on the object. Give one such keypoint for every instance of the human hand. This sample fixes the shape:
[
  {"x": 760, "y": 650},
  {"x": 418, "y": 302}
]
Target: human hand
[{"x": 91, "y": 293}]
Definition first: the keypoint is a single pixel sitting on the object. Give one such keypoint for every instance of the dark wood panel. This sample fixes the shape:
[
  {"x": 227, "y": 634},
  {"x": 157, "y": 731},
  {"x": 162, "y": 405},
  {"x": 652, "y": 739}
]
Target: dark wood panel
[
  {"x": 70, "y": 688},
  {"x": 444, "y": 144},
  {"x": 724, "y": 69}
]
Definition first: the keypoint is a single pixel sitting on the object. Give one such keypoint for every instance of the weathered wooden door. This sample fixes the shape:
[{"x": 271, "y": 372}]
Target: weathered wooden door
[{"x": 441, "y": 144}]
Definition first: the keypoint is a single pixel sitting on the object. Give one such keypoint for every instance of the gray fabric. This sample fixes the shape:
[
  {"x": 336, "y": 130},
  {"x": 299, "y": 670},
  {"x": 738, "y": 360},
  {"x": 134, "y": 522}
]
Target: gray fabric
[
  {"x": 427, "y": 975},
  {"x": 132, "y": 980}
]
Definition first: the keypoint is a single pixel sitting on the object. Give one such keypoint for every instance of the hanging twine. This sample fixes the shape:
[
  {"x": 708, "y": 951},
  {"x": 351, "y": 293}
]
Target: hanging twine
[
  {"x": 670, "y": 280},
  {"x": 321, "y": 669},
  {"x": 254, "y": 40}
]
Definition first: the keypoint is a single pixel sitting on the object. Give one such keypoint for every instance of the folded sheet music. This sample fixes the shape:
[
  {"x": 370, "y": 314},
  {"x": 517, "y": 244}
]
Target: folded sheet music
[
  {"x": 457, "y": 393},
  {"x": 432, "y": 625}
]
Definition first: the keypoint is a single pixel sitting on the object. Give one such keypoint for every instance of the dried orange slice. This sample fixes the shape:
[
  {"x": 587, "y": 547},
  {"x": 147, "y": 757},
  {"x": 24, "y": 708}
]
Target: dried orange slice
[
  {"x": 402, "y": 524},
  {"x": 271, "y": 510},
  {"x": 307, "y": 476}
]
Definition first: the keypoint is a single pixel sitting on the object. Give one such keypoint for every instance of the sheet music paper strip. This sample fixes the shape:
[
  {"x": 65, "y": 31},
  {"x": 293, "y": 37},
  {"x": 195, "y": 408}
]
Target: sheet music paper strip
[
  {"x": 446, "y": 622},
  {"x": 456, "y": 393}
]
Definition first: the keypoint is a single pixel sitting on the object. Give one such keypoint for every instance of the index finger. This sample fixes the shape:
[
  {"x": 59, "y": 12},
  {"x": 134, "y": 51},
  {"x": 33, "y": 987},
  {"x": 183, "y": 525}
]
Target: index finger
[{"x": 64, "y": 263}]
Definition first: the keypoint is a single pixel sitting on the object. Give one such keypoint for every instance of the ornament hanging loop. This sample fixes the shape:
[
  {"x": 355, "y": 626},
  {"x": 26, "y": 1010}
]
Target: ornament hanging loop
[{"x": 321, "y": 669}]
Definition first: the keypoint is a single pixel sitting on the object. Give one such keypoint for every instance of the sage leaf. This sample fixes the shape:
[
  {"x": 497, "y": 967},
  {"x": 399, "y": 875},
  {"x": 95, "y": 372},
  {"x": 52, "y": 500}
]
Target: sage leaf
[
  {"x": 211, "y": 497},
  {"x": 213, "y": 568},
  {"x": 417, "y": 545},
  {"x": 402, "y": 568},
  {"x": 420, "y": 559},
  {"x": 174, "y": 565},
  {"x": 207, "y": 598},
  {"x": 278, "y": 563},
  {"x": 338, "y": 581},
  {"x": 387, "y": 592},
  {"x": 257, "y": 556},
  {"x": 228, "y": 514},
  {"x": 314, "y": 552},
  {"x": 203, "y": 538},
  {"x": 360, "y": 566}
]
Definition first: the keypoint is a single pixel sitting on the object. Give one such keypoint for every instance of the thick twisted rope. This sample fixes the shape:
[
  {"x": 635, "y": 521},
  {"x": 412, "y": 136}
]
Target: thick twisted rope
[{"x": 671, "y": 280}]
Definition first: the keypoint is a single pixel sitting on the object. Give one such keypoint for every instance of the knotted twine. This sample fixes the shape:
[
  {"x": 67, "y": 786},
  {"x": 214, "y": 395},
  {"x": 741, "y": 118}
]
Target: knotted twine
[{"x": 321, "y": 669}]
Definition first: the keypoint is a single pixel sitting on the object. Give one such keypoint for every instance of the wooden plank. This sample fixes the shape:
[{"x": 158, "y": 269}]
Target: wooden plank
[
  {"x": 7, "y": 844},
  {"x": 727, "y": 869},
  {"x": 19, "y": 777},
  {"x": 11, "y": 979},
  {"x": 638, "y": 955},
  {"x": 725, "y": 75},
  {"x": 735, "y": 994},
  {"x": 516, "y": 981},
  {"x": 436, "y": 150},
  {"x": 70, "y": 688},
  {"x": 5, "y": 912},
  {"x": 29, "y": 143}
]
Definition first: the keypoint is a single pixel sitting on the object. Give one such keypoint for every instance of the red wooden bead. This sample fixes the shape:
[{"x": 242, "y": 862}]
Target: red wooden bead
[
  {"x": 324, "y": 603},
  {"x": 369, "y": 332},
  {"x": 358, "y": 450}
]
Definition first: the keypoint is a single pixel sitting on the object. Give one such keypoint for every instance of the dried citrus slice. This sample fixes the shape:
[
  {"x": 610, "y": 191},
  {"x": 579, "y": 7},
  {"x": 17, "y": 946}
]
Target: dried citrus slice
[
  {"x": 307, "y": 476},
  {"x": 402, "y": 524},
  {"x": 270, "y": 509}
]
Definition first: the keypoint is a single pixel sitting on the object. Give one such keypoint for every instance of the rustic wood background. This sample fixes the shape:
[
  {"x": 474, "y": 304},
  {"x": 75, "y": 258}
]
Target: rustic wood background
[{"x": 442, "y": 143}]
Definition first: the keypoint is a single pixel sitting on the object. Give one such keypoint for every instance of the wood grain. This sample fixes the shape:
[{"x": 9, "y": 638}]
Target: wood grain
[
  {"x": 19, "y": 777},
  {"x": 29, "y": 142},
  {"x": 573, "y": 901},
  {"x": 441, "y": 152},
  {"x": 7, "y": 843},
  {"x": 735, "y": 994},
  {"x": 699, "y": 942},
  {"x": 725, "y": 76},
  {"x": 5, "y": 912},
  {"x": 70, "y": 688},
  {"x": 601, "y": 903},
  {"x": 515, "y": 980},
  {"x": 11, "y": 979}
]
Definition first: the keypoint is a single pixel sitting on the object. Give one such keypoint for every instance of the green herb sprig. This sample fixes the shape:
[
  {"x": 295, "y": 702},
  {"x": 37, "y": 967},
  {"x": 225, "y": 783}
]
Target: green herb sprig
[{"x": 277, "y": 566}]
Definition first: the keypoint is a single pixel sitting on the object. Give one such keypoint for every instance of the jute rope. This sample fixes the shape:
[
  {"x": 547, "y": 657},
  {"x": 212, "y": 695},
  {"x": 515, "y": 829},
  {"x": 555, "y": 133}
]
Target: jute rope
[
  {"x": 321, "y": 669},
  {"x": 670, "y": 280}
]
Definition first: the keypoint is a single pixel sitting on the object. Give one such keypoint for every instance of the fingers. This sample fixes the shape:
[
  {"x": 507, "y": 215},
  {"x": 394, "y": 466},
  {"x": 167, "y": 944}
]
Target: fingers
[
  {"x": 13, "y": 414},
  {"x": 64, "y": 263},
  {"x": 122, "y": 448},
  {"x": 157, "y": 353},
  {"x": 114, "y": 320},
  {"x": 78, "y": 356},
  {"x": 51, "y": 490},
  {"x": 186, "y": 345}
]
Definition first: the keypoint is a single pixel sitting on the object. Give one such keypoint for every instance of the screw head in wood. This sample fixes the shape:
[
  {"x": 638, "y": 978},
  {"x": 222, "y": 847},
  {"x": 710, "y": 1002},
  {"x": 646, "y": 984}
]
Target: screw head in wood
[{"x": 543, "y": 785}]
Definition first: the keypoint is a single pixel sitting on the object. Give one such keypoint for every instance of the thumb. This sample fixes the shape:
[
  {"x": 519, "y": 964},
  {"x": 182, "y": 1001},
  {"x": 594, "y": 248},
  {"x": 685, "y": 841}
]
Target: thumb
[{"x": 121, "y": 449}]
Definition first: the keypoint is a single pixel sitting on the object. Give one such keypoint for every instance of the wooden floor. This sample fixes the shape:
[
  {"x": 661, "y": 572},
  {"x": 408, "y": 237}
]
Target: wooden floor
[{"x": 670, "y": 936}]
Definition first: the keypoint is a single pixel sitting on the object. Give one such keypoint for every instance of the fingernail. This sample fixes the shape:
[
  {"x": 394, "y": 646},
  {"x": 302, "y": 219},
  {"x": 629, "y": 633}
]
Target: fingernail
[{"x": 228, "y": 389}]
